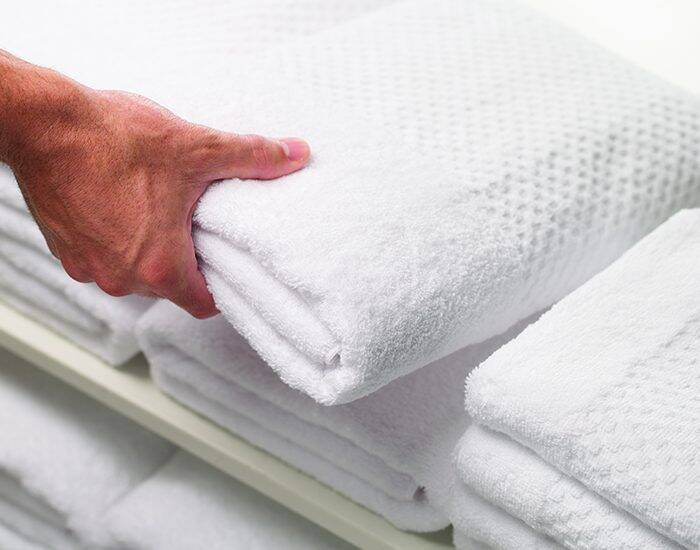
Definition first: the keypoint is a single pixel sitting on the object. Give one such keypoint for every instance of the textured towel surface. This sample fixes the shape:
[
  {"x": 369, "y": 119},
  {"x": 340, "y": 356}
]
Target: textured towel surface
[
  {"x": 476, "y": 519},
  {"x": 605, "y": 386},
  {"x": 474, "y": 163},
  {"x": 160, "y": 42},
  {"x": 522, "y": 484},
  {"x": 188, "y": 505},
  {"x": 389, "y": 451},
  {"x": 462, "y": 541},
  {"x": 63, "y": 458}
]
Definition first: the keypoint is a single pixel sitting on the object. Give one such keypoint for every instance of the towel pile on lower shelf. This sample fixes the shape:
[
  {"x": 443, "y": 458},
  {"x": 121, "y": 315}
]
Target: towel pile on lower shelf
[
  {"x": 389, "y": 451},
  {"x": 187, "y": 505},
  {"x": 33, "y": 281},
  {"x": 590, "y": 417},
  {"x": 76, "y": 475},
  {"x": 64, "y": 460}
]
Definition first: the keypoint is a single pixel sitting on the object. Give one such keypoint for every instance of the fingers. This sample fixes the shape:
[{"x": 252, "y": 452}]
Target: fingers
[
  {"x": 195, "y": 297},
  {"x": 176, "y": 277},
  {"x": 73, "y": 269},
  {"x": 255, "y": 157}
]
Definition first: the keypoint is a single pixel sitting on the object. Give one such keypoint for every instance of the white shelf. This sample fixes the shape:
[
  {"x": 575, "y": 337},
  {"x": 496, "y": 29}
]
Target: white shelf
[{"x": 130, "y": 392}]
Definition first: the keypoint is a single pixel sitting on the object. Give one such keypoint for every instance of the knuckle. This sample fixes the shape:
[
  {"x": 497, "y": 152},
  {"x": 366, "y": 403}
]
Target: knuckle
[
  {"x": 158, "y": 273},
  {"x": 112, "y": 286},
  {"x": 75, "y": 272},
  {"x": 260, "y": 151},
  {"x": 202, "y": 311},
  {"x": 199, "y": 313}
]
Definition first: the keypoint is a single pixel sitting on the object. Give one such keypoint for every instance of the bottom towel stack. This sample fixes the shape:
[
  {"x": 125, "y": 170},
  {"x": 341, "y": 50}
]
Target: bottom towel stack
[
  {"x": 586, "y": 428},
  {"x": 582, "y": 432},
  {"x": 75, "y": 475},
  {"x": 390, "y": 451},
  {"x": 590, "y": 419}
]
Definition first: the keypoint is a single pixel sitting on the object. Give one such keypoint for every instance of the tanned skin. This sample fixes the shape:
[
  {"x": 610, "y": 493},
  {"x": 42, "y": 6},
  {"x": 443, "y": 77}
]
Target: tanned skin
[{"x": 112, "y": 179}]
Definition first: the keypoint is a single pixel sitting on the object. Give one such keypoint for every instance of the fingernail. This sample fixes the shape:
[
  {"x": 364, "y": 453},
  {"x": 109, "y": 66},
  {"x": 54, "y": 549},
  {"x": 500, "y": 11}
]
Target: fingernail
[{"x": 296, "y": 149}]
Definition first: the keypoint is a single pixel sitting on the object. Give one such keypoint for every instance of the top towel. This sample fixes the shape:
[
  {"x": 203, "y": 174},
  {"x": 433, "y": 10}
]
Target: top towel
[{"x": 474, "y": 162}]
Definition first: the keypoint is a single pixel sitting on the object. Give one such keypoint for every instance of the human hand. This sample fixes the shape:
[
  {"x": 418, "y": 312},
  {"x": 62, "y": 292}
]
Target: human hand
[{"x": 112, "y": 179}]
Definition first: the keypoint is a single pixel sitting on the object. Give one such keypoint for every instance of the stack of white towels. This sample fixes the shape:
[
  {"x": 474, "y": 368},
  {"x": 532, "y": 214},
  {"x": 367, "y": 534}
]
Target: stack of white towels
[
  {"x": 76, "y": 475},
  {"x": 474, "y": 163},
  {"x": 587, "y": 425}
]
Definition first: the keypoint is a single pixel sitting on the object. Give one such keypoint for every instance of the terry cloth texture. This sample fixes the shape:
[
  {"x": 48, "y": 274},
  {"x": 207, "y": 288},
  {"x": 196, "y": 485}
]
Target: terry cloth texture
[
  {"x": 64, "y": 459},
  {"x": 474, "y": 162},
  {"x": 604, "y": 388},
  {"x": 522, "y": 484},
  {"x": 188, "y": 505},
  {"x": 114, "y": 45},
  {"x": 390, "y": 451}
]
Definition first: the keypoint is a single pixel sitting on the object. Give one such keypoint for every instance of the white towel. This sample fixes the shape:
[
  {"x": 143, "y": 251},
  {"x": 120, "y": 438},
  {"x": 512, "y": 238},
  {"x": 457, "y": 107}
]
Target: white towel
[
  {"x": 11, "y": 540},
  {"x": 522, "y": 484},
  {"x": 64, "y": 459},
  {"x": 605, "y": 387},
  {"x": 139, "y": 39},
  {"x": 187, "y": 505},
  {"x": 463, "y": 542},
  {"x": 477, "y": 520},
  {"x": 34, "y": 282},
  {"x": 389, "y": 451},
  {"x": 473, "y": 163}
]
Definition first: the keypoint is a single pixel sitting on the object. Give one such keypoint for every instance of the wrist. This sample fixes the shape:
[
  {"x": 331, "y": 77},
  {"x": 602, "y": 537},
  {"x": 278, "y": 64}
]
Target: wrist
[{"x": 37, "y": 107}]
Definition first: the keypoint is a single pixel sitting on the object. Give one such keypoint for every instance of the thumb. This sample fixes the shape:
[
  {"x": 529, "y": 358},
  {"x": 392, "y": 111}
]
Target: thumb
[{"x": 256, "y": 157}]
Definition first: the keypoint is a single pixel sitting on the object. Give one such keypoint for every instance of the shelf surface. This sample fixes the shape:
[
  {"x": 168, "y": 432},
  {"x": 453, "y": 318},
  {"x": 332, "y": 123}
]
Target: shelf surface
[{"x": 130, "y": 391}]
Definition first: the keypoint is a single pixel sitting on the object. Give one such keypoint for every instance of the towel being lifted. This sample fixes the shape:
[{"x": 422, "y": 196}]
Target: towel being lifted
[{"x": 474, "y": 162}]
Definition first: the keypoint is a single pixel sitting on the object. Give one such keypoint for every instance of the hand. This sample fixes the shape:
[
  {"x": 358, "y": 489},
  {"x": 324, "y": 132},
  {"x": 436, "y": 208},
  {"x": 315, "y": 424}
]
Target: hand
[{"x": 112, "y": 179}]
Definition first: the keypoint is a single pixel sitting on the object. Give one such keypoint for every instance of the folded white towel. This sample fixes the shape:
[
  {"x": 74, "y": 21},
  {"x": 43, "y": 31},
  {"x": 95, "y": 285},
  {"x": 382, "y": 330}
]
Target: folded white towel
[
  {"x": 139, "y": 39},
  {"x": 389, "y": 451},
  {"x": 63, "y": 458},
  {"x": 33, "y": 281},
  {"x": 473, "y": 163},
  {"x": 188, "y": 505},
  {"x": 604, "y": 387},
  {"x": 518, "y": 481},
  {"x": 477, "y": 520},
  {"x": 118, "y": 44},
  {"x": 12, "y": 540},
  {"x": 462, "y": 541}
]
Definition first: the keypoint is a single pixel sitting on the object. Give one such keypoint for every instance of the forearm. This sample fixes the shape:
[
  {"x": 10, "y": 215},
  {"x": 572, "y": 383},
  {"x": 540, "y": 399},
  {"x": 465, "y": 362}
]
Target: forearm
[{"x": 35, "y": 103}]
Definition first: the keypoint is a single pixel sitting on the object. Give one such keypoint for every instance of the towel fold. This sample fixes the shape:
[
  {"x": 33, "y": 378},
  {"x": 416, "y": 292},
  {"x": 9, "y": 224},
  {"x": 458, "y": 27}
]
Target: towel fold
[
  {"x": 12, "y": 540},
  {"x": 64, "y": 459},
  {"x": 188, "y": 505},
  {"x": 474, "y": 162},
  {"x": 603, "y": 388},
  {"x": 478, "y": 520},
  {"x": 142, "y": 42},
  {"x": 34, "y": 282},
  {"x": 389, "y": 451},
  {"x": 522, "y": 484}
]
